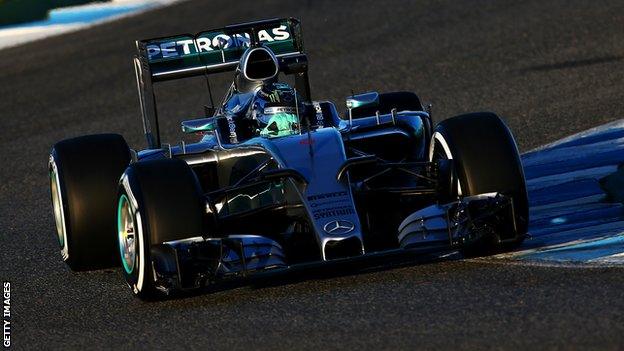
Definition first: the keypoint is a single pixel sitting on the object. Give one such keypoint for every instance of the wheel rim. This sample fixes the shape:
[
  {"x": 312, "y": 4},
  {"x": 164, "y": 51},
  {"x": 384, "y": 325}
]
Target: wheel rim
[
  {"x": 439, "y": 149},
  {"x": 57, "y": 205},
  {"x": 126, "y": 230}
]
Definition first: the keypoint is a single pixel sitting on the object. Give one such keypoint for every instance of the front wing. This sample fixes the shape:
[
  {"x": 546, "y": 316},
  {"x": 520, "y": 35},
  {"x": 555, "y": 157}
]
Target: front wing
[{"x": 196, "y": 262}]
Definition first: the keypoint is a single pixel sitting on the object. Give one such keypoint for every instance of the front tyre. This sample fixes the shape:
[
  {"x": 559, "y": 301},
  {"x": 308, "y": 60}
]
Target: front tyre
[
  {"x": 486, "y": 159},
  {"x": 158, "y": 201}
]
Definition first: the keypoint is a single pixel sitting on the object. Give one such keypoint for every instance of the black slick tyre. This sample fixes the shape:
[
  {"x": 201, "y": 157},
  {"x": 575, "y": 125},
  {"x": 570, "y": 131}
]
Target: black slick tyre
[
  {"x": 486, "y": 159},
  {"x": 158, "y": 201},
  {"x": 84, "y": 173}
]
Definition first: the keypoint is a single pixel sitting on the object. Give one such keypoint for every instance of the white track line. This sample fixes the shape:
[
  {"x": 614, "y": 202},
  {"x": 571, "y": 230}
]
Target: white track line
[
  {"x": 556, "y": 179},
  {"x": 619, "y": 124},
  {"x": 14, "y": 36},
  {"x": 559, "y": 248}
]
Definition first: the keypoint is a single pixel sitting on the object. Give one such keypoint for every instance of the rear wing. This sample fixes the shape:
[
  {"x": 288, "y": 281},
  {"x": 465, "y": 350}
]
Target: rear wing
[{"x": 214, "y": 51}]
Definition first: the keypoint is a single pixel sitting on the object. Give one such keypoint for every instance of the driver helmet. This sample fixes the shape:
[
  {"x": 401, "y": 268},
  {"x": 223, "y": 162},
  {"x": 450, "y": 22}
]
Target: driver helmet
[{"x": 275, "y": 109}]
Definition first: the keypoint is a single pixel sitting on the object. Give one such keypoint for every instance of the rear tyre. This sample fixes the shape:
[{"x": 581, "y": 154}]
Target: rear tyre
[
  {"x": 84, "y": 173},
  {"x": 158, "y": 201},
  {"x": 486, "y": 159}
]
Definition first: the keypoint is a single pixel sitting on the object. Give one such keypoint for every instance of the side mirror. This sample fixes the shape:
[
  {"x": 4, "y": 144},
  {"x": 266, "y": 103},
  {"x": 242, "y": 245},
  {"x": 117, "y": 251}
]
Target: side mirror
[
  {"x": 370, "y": 99},
  {"x": 199, "y": 125},
  {"x": 361, "y": 100}
]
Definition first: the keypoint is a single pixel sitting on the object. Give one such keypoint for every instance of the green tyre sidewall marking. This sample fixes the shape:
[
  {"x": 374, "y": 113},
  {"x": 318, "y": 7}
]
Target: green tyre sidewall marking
[{"x": 123, "y": 198}]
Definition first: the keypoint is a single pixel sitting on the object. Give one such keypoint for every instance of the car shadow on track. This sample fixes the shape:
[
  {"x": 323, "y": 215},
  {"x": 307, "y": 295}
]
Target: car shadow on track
[{"x": 321, "y": 271}]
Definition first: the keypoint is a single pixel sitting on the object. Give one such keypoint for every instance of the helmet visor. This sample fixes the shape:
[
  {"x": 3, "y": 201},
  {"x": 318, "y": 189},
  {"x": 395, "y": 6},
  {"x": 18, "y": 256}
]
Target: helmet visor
[{"x": 279, "y": 124}]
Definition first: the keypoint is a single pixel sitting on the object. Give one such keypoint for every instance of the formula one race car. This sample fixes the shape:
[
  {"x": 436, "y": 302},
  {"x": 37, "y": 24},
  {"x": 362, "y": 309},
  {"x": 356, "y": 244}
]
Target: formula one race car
[{"x": 277, "y": 180}]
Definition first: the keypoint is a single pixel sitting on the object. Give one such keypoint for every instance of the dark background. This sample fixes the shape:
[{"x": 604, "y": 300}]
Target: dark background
[{"x": 549, "y": 68}]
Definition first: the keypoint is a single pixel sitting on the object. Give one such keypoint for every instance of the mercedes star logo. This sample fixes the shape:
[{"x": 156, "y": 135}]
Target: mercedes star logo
[{"x": 338, "y": 227}]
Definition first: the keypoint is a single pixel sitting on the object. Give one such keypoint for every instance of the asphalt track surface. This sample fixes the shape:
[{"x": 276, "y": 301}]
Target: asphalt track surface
[{"x": 550, "y": 68}]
